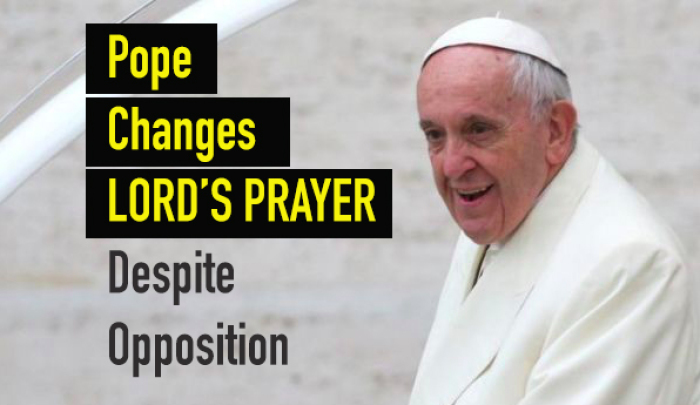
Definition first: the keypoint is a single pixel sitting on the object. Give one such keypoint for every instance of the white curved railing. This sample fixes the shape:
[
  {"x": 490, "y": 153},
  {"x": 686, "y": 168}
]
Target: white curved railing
[{"x": 46, "y": 131}]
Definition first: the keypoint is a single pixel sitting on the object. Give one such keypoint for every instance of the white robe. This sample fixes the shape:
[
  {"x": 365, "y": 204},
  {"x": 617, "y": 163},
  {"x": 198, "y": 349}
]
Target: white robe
[{"x": 589, "y": 302}]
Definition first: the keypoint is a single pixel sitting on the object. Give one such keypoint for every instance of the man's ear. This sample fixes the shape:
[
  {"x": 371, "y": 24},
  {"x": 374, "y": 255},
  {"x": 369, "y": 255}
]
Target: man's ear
[{"x": 561, "y": 131}]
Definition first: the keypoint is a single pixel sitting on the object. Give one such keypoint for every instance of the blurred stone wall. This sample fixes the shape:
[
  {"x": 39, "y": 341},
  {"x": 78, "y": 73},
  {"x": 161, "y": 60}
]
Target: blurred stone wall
[{"x": 356, "y": 312}]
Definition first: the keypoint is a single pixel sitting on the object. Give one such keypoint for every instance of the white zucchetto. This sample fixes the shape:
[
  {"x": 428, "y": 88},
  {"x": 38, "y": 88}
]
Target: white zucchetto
[{"x": 498, "y": 33}]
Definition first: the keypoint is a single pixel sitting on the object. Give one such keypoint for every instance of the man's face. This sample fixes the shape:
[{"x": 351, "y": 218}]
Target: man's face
[{"x": 487, "y": 154}]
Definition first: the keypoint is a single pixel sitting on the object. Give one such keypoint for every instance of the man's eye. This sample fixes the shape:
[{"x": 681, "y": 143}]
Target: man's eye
[
  {"x": 433, "y": 135},
  {"x": 479, "y": 128}
]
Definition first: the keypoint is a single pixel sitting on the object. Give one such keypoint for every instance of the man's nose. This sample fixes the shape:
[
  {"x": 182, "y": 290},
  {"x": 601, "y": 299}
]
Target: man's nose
[{"x": 459, "y": 157}]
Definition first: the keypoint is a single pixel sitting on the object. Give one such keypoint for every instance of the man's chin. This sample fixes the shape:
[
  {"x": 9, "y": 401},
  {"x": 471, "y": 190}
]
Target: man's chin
[{"x": 479, "y": 233}]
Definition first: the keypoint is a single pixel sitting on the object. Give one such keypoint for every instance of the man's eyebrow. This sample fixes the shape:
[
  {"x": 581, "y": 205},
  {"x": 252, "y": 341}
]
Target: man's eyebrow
[
  {"x": 425, "y": 124},
  {"x": 466, "y": 119},
  {"x": 471, "y": 117}
]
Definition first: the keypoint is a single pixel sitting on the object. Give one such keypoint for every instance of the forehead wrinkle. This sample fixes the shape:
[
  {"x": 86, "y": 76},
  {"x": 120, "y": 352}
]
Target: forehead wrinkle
[
  {"x": 481, "y": 56},
  {"x": 472, "y": 75},
  {"x": 479, "y": 67}
]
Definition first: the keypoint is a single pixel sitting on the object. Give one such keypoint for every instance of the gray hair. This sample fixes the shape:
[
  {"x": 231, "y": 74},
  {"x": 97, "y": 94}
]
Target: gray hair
[{"x": 540, "y": 82}]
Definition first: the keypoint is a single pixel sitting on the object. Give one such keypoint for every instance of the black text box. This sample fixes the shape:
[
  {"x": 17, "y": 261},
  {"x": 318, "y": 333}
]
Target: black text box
[
  {"x": 200, "y": 40},
  {"x": 359, "y": 208},
  {"x": 269, "y": 145}
]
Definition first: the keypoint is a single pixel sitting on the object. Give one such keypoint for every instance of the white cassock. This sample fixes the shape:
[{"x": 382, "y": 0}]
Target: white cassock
[{"x": 589, "y": 302}]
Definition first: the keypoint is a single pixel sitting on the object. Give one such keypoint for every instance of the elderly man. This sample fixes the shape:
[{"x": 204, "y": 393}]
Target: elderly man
[{"x": 565, "y": 287}]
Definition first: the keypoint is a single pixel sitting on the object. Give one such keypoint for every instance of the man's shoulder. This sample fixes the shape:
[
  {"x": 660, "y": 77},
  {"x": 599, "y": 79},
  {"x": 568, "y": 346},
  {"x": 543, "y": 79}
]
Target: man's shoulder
[
  {"x": 613, "y": 217},
  {"x": 616, "y": 246},
  {"x": 615, "y": 238}
]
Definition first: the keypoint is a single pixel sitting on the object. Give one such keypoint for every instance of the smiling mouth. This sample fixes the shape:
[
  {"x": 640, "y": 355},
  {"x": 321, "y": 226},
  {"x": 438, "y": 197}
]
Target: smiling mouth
[{"x": 474, "y": 195}]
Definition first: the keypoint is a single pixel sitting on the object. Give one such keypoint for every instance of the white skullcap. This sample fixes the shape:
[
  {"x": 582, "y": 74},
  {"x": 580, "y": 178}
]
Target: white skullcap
[{"x": 498, "y": 33}]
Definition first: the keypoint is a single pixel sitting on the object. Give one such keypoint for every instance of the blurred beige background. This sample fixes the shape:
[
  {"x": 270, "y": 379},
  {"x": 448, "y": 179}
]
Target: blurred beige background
[{"x": 356, "y": 312}]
